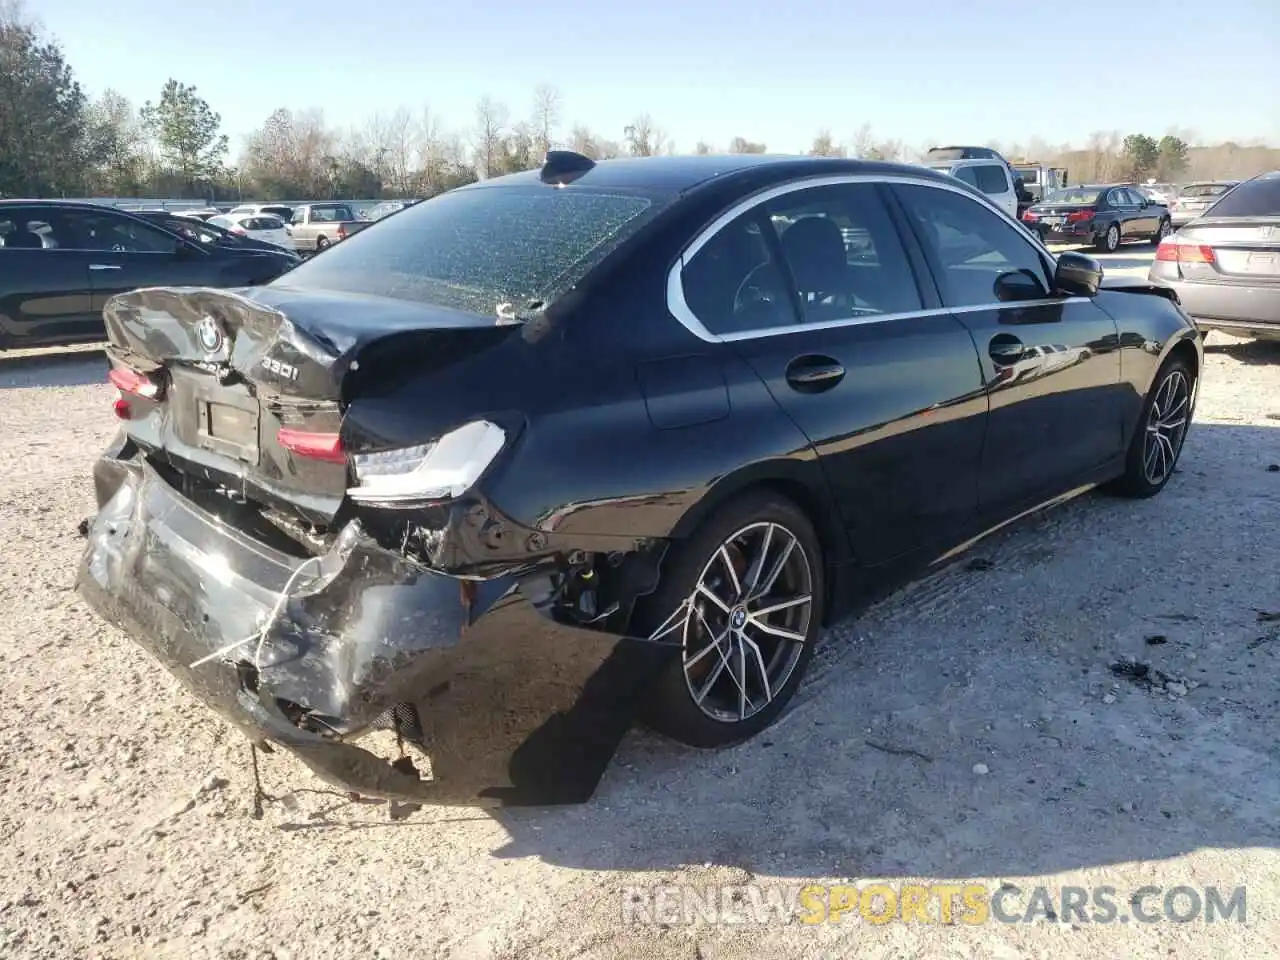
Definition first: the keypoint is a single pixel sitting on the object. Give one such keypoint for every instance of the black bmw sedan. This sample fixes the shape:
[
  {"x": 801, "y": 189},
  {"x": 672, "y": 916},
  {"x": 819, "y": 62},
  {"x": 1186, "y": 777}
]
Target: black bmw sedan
[
  {"x": 60, "y": 261},
  {"x": 557, "y": 450},
  {"x": 1103, "y": 215}
]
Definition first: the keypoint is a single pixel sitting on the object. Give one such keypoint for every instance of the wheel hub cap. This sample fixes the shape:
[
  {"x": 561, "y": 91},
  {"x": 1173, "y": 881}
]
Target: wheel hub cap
[{"x": 738, "y": 619}]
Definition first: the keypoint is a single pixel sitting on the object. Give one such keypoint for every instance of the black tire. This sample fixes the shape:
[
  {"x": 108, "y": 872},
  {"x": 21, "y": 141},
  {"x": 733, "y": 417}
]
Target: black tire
[
  {"x": 1162, "y": 231},
  {"x": 1109, "y": 240},
  {"x": 1139, "y": 480},
  {"x": 671, "y": 708},
  {"x": 322, "y": 243}
]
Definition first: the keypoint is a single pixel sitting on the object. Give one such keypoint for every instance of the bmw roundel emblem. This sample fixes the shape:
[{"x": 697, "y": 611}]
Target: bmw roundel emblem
[{"x": 209, "y": 335}]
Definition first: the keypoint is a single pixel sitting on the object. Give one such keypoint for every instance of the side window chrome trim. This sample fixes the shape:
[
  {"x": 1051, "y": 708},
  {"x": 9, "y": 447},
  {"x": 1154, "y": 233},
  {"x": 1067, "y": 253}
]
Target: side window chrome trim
[{"x": 680, "y": 309}]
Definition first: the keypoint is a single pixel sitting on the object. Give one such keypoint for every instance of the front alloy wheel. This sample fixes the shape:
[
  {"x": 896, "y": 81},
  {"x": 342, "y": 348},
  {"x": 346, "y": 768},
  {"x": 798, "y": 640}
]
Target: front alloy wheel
[
  {"x": 1111, "y": 239},
  {"x": 1166, "y": 426}
]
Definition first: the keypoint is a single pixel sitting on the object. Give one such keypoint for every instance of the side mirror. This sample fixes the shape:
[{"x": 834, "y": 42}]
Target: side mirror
[
  {"x": 1077, "y": 275},
  {"x": 1018, "y": 285}
]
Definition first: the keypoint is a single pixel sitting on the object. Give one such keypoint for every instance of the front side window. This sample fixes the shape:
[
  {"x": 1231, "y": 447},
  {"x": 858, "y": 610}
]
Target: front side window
[
  {"x": 481, "y": 248},
  {"x": 969, "y": 245}
]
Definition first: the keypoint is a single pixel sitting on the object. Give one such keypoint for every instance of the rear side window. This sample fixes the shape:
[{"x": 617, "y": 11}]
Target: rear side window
[
  {"x": 479, "y": 248},
  {"x": 1253, "y": 198},
  {"x": 991, "y": 178},
  {"x": 967, "y": 174}
]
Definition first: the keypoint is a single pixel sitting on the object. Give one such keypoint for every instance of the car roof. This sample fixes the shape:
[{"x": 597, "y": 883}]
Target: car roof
[{"x": 671, "y": 175}]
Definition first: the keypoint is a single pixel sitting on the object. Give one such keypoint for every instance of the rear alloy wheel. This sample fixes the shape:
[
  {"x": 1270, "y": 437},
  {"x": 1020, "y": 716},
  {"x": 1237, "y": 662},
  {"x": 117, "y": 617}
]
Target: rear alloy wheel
[
  {"x": 1110, "y": 241},
  {"x": 1162, "y": 430},
  {"x": 322, "y": 243},
  {"x": 1161, "y": 232},
  {"x": 747, "y": 596}
]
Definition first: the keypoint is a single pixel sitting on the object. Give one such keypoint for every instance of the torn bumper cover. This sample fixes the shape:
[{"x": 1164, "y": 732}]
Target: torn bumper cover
[{"x": 511, "y": 707}]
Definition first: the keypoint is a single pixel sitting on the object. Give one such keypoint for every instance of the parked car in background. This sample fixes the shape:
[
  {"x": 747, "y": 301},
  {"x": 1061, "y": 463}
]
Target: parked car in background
[
  {"x": 209, "y": 233},
  {"x": 386, "y": 208},
  {"x": 988, "y": 176},
  {"x": 936, "y": 155},
  {"x": 285, "y": 213},
  {"x": 1162, "y": 193},
  {"x": 61, "y": 261},
  {"x": 317, "y": 226},
  {"x": 204, "y": 214},
  {"x": 259, "y": 226},
  {"x": 562, "y": 446},
  {"x": 1101, "y": 215},
  {"x": 1193, "y": 199},
  {"x": 1039, "y": 179},
  {"x": 1225, "y": 264}
]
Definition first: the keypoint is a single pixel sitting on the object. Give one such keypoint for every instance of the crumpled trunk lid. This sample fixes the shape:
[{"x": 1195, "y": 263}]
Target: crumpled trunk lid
[{"x": 254, "y": 382}]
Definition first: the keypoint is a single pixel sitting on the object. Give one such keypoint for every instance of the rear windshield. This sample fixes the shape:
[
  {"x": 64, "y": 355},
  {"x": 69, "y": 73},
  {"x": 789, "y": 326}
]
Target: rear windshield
[
  {"x": 1203, "y": 189},
  {"x": 1253, "y": 198},
  {"x": 1028, "y": 176},
  {"x": 264, "y": 223},
  {"x": 1074, "y": 195},
  {"x": 476, "y": 248}
]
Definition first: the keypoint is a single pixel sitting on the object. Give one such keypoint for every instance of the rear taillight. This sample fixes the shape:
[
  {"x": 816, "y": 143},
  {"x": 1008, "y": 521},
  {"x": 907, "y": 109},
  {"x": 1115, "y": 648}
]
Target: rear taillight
[
  {"x": 313, "y": 446},
  {"x": 1172, "y": 251},
  {"x": 342, "y": 231},
  {"x": 1080, "y": 215},
  {"x": 130, "y": 383},
  {"x": 1030, "y": 215}
]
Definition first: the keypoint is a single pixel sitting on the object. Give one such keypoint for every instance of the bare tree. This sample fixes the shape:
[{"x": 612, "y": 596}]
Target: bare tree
[
  {"x": 428, "y": 153},
  {"x": 863, "y": 141},
  {"x": 491, "y": 125},
  {"x": 644, "y": 138},
  {"x": 825, "y": 146},
  {"x": 546, "y": 117},
  {"x": 702, "y": 148},
  {"x": 743, "y": 145}
]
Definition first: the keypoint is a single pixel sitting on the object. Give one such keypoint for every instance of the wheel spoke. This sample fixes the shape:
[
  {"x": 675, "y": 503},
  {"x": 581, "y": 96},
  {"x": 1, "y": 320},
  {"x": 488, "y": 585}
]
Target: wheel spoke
[
  {"x": 757, "y": 565},
  {"x": 773, "y": 631},
  {"x": 1177, "y": 408},
  {"x": 740, "y": 678},
  {"x": 1173, "y": 424},
  {"x": 727, "y": 562},
  {"x": 759, "y": 658},
  {"x": 782, "y": 605},
  {"x": 718, "y": 669},
  {"x": 778, "y": 566},
  {"x": 711, "y": 595},
  {"x": 713, "y": 645}
]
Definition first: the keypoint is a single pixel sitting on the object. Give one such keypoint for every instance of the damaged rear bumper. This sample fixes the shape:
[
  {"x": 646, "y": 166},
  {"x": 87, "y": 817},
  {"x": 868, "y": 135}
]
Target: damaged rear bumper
[{"x": 509, "y": 706}]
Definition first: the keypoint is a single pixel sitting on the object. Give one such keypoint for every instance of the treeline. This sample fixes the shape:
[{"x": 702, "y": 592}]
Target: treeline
[{"x": 56, "y": 141}]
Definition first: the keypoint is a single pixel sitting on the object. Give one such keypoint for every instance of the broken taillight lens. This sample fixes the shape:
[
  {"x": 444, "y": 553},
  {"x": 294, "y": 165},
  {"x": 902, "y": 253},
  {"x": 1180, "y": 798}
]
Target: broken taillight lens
[
  {"x": 443, "y": 469},
  {"x": 313, "y": 446},
  {"x": 130, "y": 381}
]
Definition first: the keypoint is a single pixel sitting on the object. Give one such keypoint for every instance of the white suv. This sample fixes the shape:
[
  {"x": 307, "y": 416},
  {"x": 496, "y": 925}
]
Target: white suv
[{"x": 989, "y": 176}]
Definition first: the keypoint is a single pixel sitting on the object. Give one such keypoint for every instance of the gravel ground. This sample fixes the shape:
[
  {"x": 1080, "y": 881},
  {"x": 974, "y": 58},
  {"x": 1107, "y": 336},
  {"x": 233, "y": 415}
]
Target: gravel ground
[{"x": 126, "y": 814}]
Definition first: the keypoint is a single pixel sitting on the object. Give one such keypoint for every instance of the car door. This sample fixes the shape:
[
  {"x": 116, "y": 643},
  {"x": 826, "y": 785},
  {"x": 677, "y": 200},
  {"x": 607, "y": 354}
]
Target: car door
[
  {"x": 1128, "y": 213},
  {"x": 45, "y": 295},
  {"x": 1050, "y": 363},
  {"x": 816, "y": 291},
  {"x": 1146, "y": 213},
  {"x": 127, "y": 252}
]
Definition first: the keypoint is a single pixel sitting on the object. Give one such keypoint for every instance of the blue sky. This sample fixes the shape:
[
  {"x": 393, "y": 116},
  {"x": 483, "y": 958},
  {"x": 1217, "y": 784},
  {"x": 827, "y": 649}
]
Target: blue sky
[{"x": 968, "y": 71}]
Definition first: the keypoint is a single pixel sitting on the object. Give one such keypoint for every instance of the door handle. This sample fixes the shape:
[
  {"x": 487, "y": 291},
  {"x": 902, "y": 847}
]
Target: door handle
[
  {"x": 812, "y": 374},
  {"x": 104, "y": 266},
  {"x": 1006, "y": 349}
]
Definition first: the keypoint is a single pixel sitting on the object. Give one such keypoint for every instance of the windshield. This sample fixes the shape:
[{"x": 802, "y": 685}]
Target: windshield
[
  {"x": 477, "y": 248},
  {"x": 1204, "y": 189},
  {"x": 1074, "y": 195},
  {"x": 1253, "y": 198}
]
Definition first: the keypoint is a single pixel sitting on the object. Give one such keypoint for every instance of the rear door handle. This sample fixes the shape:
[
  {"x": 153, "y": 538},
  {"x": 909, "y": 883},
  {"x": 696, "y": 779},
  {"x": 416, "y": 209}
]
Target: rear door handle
[
  {"x": 104, "y": 266},
  {"x": 812, "y": 374}
]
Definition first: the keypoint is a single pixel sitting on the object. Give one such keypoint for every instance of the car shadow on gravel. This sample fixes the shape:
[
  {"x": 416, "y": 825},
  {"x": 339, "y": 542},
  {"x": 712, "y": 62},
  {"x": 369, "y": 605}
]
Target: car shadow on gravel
[
  {"x": 1263, "y": 352},
  {"x": 973, "y": 725},
  {"x": 77, "y": 368}
]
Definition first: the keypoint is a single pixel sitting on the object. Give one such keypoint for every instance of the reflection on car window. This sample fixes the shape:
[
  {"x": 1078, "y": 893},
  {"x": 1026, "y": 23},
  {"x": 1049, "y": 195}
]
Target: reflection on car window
[
  {"x": 844, "y": 253},
  {"x": 734, "y": 285},
  {"x": 94, "y": 230},
  {"x": 970, "y": 244},
  {"x": 992, "y": 178}
]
